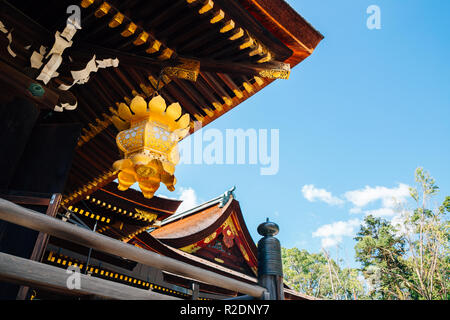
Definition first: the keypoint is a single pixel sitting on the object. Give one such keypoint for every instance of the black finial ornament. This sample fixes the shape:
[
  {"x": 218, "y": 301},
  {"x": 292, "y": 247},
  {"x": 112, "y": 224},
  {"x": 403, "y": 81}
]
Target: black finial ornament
[
  {"x": 268, "y": 228},
  {"x": 270, "y": 266}
]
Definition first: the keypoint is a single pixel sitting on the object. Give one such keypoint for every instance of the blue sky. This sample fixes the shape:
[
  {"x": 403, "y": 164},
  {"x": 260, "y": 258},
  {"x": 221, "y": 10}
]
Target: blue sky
[{"x": 366, "y": 109}]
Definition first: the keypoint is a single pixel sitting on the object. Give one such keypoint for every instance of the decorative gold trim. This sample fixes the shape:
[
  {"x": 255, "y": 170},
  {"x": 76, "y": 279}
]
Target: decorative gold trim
[
  {"x": 132, "y": 27},
  {"x": 193, "y": 248},
  {"x": 90, "y": 215},
  {"x": 259, "y": 81},
  {"x": 238, "y": 34},
  {"x": 229, "y": 25},
  {"x": 209, "y": 4},
  {"x": 188, "y": 69},
  {"x": 89, "y": 187},
  {"x": 94, "y": 129},
  {"x": 248, "y": 87},
  {"x": 141, "y": 39},
  {"x": 145, "y": 215},
  {"x": 131, "y": 236},
  {"x": 117, "y": 20},
  {"x": 129, "y": 30},
  {"x": 281, "y": 71},
  {"x": 219, "y": 260},
  {"x": 210, "y": 238},
  {"x": 218, "y": 16},
  {"x": 86, "y": 3},
  {"x": 103, "y": 10},
  {"x": 257, "y": 48},
  {"x": 155, "y": 45},
  {"x": 166, "y": 54}
]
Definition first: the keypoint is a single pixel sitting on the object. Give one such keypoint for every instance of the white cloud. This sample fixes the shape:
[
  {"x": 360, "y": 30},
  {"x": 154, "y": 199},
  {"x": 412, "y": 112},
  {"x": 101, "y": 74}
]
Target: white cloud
[
  {"x": 399, "y": 222},
  {"x": 189, "y": 198},
  {"x": 332, "y": 234},
  {"x": 311, "y": 193},
  {"x": 330, "y": 242},
  {"x": 388, "y": 196},
  {"x": 355, "y": 210},
  {"x": 382, "y": 212},
  {"x": 384, "y": 203}
]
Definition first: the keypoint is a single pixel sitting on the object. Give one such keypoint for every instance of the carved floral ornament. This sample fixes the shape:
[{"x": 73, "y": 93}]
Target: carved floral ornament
[{"x": 149, "y": 140}]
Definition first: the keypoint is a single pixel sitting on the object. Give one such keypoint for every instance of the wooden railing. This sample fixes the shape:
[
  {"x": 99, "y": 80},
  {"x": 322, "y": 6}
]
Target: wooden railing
[{"x": 15, "y": 214}]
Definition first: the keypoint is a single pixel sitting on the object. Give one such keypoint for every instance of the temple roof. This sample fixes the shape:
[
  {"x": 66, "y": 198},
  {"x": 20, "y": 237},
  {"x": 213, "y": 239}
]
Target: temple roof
[
  {"x": 232, "y": 49},
  {"x": 208, "y": 55},
  {"x": 192, "y": 225},
  {"x": 215, "y": 231},
  {"x": 122, "y": 214}
]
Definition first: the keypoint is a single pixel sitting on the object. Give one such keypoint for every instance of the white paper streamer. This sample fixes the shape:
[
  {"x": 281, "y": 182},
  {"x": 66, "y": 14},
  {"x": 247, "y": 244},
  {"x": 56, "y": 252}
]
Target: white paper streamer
[
  {"x": 69, "y": 107},
  {"x": 50, "y": 68},
  {"x": 60, "y": 45},
  {"x": 58, "y": 109},
  {"x": 83, "y": 76},
  {"x": 36, "y": 60},
  {"x": 65, "y": 106},
  {"x": 9, "y": 37},
  {"x": 3, "y": 28},
  {"x": 107, "y": 63},
  {"x": 64, "y": 87},
  {"x": 71, "y": 28}
]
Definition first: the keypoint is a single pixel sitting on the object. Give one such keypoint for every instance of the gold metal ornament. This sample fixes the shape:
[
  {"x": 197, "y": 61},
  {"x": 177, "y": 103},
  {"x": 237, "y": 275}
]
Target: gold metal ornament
[{"x": 149, "y": 140}]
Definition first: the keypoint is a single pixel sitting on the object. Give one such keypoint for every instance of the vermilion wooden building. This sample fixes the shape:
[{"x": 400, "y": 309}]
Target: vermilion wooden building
[{"x": 66, "y": 69}]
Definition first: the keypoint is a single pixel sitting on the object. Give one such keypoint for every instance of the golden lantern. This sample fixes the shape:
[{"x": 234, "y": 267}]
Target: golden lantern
[{"x": 149, "y": 135}]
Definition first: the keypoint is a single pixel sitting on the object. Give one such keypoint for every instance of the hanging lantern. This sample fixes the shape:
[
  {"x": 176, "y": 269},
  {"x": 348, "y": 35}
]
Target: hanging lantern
[{"x": 148, "y": 137}]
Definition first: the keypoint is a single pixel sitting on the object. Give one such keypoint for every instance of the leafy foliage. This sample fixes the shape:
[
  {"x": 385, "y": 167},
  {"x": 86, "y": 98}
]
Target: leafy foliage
[
  {"x": 408, "y": 260},
  {"x": 403, "y": 259},
  {"x": 317, "y": 275}
]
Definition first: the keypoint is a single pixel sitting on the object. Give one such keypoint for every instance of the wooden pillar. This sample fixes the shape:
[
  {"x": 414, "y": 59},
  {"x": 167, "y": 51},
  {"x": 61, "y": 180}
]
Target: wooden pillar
[
  {"x": 41, "y": 242},
  {"x": 270, "y": 268},
  {"x": 23, "y": 242},
  {"x": 35, "y": 159},
  {"x": 17, "y": 120}
]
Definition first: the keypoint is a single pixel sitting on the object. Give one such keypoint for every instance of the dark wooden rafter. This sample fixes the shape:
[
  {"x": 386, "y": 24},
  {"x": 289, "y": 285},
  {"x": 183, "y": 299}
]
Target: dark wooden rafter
[
  {"x": 21, "y": 82},
  {"x": 206, "y": 65},
  {"x": 221, "y": 84},
  {"x": 130, "y": 32},
  {"x": 232, "y": 28}
]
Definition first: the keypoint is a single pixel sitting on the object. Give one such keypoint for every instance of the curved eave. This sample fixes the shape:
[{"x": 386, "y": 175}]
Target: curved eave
[
  {"x": 193, "y": 228},
  {"x": 148, "y": 242},
  {"x": 286, "y": 24},
  {"x": 230, "y": 210}
]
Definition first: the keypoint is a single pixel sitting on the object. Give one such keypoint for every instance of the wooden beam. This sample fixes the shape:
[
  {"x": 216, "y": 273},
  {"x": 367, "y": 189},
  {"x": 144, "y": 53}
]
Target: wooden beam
[
  {"x": 273, "y": 70},
  {"x": 30, "y": 219},
  {"x": 26, "y": 200},
  {"x": 20, "y": 82},
  {"x": 35, "y": 274}
]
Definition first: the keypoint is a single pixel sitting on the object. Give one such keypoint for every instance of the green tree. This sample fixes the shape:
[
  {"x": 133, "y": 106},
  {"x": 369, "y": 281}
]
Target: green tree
[
  {"x": 317, "y": 275},
  {"x": 408, "y": 259},
  {"x": 381, "y": 252}
]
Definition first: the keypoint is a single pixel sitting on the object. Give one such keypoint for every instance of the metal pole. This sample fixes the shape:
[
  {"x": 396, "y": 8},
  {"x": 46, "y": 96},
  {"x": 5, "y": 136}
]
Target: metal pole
[
  {"x": 90, "y": 252},
  {"x": 270, "y": 268},
  {"x": 30, "y": 219}
]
